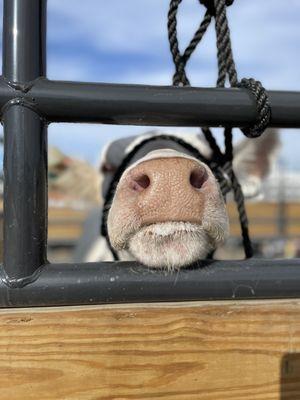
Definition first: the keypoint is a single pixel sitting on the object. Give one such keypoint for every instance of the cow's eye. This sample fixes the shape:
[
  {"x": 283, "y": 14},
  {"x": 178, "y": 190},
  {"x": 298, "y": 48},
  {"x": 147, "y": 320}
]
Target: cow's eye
[
  {"x": 52, "y": 175},
  {"x": 62, "y": 166},
  {"x": 107, "y": 167}
]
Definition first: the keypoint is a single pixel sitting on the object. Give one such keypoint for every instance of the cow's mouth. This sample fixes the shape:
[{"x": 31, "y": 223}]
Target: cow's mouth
[{"x": 170, "y": 245}]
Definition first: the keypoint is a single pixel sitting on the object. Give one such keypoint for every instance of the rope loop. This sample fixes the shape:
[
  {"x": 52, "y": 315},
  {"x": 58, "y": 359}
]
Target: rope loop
[
  {"x": 210, "y": 5},
  {"x": 180, "y": 60},
  {"x": 262, "y": 106}
]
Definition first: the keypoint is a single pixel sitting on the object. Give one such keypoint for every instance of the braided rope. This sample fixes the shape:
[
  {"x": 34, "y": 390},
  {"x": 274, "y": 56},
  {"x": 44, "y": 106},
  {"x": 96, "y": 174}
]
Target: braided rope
[
  {"x": 179, "y": 60},
  {"x": 216, "y": 151},
  {"x": 226, "y": 66},
  {"x": 210, "y": 5},
  {"x": 226, "y": 63},
  {"x": 240, "y": 202},
  {"x": 262, "y": 106},
  {"x": 221, "y": 164},
  {"x": 179, "y": 75},
  {"x": 197, "y": 37}
]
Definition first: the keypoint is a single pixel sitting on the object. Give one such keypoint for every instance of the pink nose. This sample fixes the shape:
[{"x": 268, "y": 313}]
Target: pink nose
[{"x": 169, "y": 189}]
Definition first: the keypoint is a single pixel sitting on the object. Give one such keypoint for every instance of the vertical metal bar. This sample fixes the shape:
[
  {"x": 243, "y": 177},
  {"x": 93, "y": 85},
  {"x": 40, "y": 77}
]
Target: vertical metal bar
[
  {"x": 24, "y": 40},
  {"x": 25, "y": 197},
  {"x": 25, "y": 135}
]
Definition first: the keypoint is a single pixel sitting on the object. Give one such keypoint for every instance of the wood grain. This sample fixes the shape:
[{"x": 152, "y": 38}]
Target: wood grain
[{"x": 219, "y": 350}]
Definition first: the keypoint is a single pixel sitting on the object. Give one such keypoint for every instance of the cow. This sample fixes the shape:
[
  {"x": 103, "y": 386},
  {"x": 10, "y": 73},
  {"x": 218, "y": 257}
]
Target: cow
[
  {"x": 71, "y": 182},
  {"x": 167, "y": 210}
]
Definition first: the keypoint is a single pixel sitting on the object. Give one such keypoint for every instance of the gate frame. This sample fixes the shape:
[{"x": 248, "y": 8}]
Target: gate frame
[{"x": 29, "y": 102}]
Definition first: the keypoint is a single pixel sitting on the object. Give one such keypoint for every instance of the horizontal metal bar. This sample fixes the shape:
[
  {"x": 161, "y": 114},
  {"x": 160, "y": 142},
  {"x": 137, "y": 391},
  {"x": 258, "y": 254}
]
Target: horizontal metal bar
[
  {"x": 60, "y": 101},
  {"x": 158, "y": 105},
  {"x": 141, "y": 105},
  {"x": 94, "y": 283}
]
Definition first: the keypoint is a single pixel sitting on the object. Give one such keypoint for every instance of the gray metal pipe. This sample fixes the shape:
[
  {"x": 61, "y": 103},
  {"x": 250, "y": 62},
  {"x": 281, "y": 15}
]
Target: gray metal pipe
[
  {"x": 60, "y": 101},
  {"x": 96, "y": 283},
  {"x": 25, "y": 196},
  {"x": 141, "y": 105},
  {"x": 25, "y": 135},
  {"x": 24, "y": 40}
]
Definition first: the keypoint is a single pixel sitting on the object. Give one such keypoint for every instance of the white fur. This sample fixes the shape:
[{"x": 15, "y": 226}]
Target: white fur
[
  {"x": 171, "y": 244},
  {"x": 162, "y": 153},
  {"x": 99, "y": 251}
]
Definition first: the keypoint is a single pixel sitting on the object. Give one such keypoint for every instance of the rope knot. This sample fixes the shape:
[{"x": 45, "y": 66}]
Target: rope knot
[
  {"x": 262, "y": 106},
  {"x": 210, "y": 5}
]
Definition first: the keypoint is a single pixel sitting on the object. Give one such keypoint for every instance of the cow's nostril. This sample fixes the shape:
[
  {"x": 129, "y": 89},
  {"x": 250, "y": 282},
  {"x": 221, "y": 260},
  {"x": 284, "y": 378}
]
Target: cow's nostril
[
  {"x": 198, "y": 177},
  {"x": 140, "y": 182}
]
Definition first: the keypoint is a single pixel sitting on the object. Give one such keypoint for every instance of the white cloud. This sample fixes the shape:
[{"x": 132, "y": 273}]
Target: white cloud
[
  {"x": 119, "y": 25},
  {"x": 68, "y": 68}
]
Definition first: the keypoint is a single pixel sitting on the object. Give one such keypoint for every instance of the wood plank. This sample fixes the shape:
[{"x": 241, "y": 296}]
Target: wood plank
[
  {"x": 263, "y": 209},
  {"x": 256, "y": 210},
  {"x": 64, "y": 232},
  {"x": 209, "y": 351},
  {"x": 266, "y": 231},
  {"x": 256, "y": 231},
  {"x": 57, "y": 213}
]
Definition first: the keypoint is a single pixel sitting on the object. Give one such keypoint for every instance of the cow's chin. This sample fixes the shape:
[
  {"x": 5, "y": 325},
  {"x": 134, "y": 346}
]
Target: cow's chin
[{"x": 170, "y": 245}]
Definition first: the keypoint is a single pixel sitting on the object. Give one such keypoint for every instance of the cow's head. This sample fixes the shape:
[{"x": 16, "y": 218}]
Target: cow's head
[
  {"x": 71, "y": 180},
  {"x": 168, "y": 211}
]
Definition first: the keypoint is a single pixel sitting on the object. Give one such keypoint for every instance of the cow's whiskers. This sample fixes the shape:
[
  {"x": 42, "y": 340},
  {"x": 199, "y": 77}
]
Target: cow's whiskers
[{"x": 172, "y": 244}]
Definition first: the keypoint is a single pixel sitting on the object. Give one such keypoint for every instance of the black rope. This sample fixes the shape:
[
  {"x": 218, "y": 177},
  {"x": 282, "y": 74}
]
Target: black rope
[
  {"x": 216, "y": 151},
  {"x": 210, "y": 5},
  {"x": 262, "y": 107},
  {"x": 240, "y": 201},
  {"x": 226, "y": 63},
  {"x": 180, "y": 60},
  {"x": 226, "y": 68}
]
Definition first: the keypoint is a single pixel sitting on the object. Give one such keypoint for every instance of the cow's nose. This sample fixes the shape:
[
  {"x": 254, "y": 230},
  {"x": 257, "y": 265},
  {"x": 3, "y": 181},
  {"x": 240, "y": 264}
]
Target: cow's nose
[
  {"x": 168, "y": 189},
  {"x": 198, "y": 177},
  {"x": 140, "y": 181}
]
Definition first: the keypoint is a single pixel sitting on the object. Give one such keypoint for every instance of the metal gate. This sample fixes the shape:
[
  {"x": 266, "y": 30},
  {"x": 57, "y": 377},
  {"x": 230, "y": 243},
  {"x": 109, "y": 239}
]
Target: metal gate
[{"x": 29, "y": 102}]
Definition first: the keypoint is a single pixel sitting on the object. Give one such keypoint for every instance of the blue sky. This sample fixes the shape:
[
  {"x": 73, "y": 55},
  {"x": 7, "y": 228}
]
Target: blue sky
[{"x": 126, "y": 42}]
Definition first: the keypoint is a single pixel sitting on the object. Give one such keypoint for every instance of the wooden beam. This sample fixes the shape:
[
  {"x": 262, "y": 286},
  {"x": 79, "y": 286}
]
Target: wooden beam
[{"x": 218, "y": 350}]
